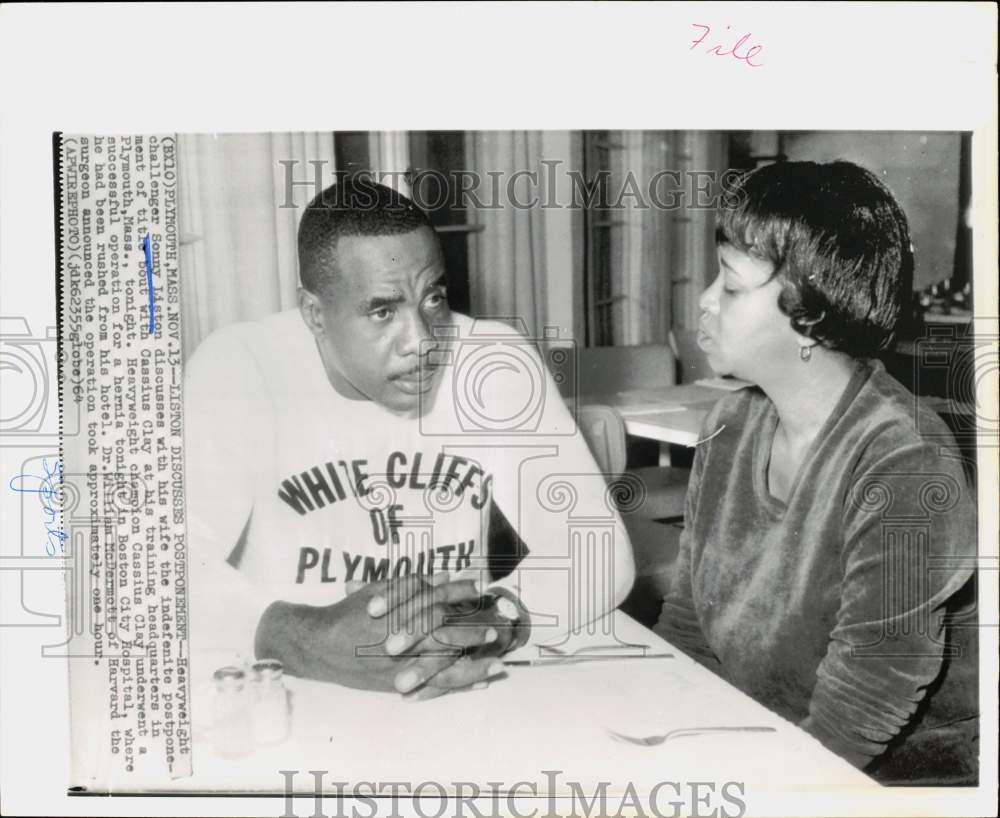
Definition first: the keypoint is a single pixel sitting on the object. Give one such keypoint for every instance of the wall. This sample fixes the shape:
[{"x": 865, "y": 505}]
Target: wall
[{"x": 921, "y": 169}]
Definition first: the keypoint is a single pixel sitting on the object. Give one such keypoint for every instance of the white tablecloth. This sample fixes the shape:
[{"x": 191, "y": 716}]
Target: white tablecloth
[{"x": 535, "y": 719}]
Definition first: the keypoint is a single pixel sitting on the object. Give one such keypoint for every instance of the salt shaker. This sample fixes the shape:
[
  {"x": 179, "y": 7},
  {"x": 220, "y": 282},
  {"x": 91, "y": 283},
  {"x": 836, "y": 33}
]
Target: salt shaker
[
  {"x": 271, "y": 719},
  {"x": 231, "y": 734}
]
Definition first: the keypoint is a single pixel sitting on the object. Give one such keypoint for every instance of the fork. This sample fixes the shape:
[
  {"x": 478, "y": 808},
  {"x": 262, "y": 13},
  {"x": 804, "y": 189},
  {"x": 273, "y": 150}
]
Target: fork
[{"x": 657, "y": 740}]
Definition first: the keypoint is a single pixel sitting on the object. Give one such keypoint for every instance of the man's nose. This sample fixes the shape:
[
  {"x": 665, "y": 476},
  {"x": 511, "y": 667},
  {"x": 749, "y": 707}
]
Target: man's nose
[{"x": 416, "y": 337}]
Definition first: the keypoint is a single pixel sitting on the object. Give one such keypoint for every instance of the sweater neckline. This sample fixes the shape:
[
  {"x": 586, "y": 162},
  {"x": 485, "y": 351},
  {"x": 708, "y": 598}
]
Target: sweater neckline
[{"x": 769, "y": 426}]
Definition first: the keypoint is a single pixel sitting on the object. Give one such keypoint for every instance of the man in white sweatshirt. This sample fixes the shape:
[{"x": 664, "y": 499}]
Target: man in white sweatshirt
[{"x": 356, "y": 444}]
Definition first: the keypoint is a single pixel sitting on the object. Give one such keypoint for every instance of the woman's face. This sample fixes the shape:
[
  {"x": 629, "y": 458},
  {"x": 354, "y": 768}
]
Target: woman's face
[{"x": 741, "y": 329}]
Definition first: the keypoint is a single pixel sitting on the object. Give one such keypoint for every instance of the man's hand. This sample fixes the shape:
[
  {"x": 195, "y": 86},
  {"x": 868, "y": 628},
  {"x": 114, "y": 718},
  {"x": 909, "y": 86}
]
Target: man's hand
[
  {"x": 463, "y": 616},
  {"x": 385, "y": 636}
]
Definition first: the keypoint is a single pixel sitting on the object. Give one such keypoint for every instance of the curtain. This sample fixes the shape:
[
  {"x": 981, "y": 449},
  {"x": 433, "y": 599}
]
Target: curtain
[
  {"x": 238, "y": 221},
  {"x": 662, "y": 252},
  {"x": 639, "y": 248},
  {"x": 389, "y": 154},
  {"x": 525, "y": 259},
  {"x": 701, "y": 157}
]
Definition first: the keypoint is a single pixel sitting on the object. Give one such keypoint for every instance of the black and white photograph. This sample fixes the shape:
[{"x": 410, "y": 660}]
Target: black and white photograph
[
  {"x": 644, "y": 470},
  {"x": 571, "y": 405}
]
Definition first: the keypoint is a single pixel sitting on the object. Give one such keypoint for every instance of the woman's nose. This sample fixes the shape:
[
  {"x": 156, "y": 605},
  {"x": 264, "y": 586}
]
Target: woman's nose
[{"x": 709, "y": 299}]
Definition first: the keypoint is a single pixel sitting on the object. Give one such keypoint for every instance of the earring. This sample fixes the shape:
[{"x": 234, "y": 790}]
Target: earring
[{"x": 805, "y": 353}]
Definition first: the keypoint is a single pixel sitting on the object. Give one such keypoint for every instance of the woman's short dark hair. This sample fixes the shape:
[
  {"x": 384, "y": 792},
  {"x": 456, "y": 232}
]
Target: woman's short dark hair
[
  {"x": 354, "y": 206},
  {"x": 839, "y": 242}
]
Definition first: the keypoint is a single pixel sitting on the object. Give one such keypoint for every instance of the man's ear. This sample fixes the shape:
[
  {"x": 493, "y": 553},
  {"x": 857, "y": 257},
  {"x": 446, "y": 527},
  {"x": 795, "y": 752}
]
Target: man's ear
[{"x": 311, "y": 308}]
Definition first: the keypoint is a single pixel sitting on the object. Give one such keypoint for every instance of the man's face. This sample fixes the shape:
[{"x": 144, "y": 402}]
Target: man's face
[
  {"x": 741, "y": 329},
  {"x": 375, "y": 327}
]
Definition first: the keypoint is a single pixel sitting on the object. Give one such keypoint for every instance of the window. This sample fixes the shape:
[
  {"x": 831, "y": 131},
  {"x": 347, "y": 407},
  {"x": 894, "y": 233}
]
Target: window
[
  {"x": 602, "y": 228},
  {"x": 435, "y": 157}
]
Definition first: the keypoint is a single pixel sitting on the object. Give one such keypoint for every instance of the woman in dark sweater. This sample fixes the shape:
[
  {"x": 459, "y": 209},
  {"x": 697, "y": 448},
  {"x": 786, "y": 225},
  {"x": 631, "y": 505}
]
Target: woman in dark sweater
[{"x": 826, "y": 564}]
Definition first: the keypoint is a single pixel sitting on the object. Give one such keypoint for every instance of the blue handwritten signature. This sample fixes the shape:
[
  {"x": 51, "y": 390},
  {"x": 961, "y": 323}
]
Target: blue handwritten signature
[
  {"x": 148, "y": 252},
  {"x": 48, "y": 489}
]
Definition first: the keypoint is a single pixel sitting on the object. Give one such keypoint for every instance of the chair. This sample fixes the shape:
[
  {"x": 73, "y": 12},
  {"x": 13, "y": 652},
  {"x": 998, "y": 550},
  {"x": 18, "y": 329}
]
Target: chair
[
  {"x": 664, "y": 489},
  {"x": 604, "y": 430},
  {"x": 654, "y": 526},
  {"x": 603, "y": 370}
]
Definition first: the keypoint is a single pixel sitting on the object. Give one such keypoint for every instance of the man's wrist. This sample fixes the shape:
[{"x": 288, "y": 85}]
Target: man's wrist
[{"x": 512, "y": 613}]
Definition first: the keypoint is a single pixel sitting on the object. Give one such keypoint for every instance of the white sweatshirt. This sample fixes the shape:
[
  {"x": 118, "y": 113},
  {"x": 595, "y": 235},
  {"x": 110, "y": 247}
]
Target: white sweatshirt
[{"x": 303, "y": 490}]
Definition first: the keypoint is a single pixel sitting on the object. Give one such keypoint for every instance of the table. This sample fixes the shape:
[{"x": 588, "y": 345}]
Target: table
[
  {"x": 669, "y": 414},
  {"x": 551, "y": 718}
]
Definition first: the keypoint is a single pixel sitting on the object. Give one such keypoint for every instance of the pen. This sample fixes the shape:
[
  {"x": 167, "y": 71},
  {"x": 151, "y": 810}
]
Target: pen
[{"x": 568, "y": 660}]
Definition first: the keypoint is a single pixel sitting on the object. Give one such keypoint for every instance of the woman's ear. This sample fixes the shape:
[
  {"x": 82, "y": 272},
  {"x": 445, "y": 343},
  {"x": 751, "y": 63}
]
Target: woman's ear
[{"x": 805, "y": 326}]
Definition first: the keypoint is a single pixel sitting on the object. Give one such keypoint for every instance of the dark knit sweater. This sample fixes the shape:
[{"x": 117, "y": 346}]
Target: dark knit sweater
[{"x": 839, "y": 609}]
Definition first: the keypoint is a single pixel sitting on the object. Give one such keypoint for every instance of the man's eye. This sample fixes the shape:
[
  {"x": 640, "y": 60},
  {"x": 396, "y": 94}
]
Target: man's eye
[
  {"x": 436, "y": 299},
  {"x": 380, "y": 315}
]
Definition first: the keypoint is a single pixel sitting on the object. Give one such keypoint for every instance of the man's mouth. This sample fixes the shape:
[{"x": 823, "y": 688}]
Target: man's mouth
[{"x": 415, "y": 380}]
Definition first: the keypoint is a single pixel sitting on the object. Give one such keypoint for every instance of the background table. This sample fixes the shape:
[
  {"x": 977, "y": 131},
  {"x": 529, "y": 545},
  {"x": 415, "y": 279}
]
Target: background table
[
  {"x": 538, "y": 718},
  {"x": 669, "y": 414}
]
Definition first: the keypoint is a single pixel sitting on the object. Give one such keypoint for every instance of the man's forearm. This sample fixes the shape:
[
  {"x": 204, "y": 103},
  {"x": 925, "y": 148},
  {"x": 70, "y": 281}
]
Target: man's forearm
[
  {"x": 281, "y": 634},
  {"x": 312, "y": 643}
]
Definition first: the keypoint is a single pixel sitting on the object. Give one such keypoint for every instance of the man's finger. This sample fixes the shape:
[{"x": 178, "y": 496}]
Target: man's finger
[
  {"x": 421, "y": 619},
  {"x": 429, "y": 691},
  {"x": 396, "y": 592},
  {"x": 423, "y": 693},
  {"x": 468, "y": 672},
  {"x": 412, "y": 624},
  {"x": 475, "y": 574},
  {"x": 447, "y": 671},
  {"x": 428, "y": 612},
  {"x": 441, "y": 577},
  {"x": 448, "y": 638},
  {"x": 460, "y": 591},
  {"x": 421, "y": 668},
  {"x": 406, "y": 599}
]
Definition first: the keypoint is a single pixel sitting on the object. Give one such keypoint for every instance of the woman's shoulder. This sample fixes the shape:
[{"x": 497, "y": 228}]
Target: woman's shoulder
[
  {"x": 886, "y": 417},
  {"x": 889, "y": 437}
]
